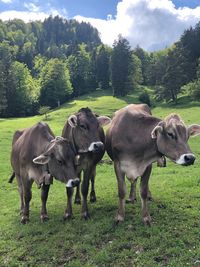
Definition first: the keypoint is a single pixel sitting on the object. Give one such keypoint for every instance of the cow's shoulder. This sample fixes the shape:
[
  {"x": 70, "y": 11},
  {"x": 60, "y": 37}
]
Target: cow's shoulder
[
  {"x": 41, "y": 129},
  {"x": 17, "y": 135}
]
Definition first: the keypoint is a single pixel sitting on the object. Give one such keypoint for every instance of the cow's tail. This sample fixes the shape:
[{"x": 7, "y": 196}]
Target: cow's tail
[{"x": 11, "y": 178}]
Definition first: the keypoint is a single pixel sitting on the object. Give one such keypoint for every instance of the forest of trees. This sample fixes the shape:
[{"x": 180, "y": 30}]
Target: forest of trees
[{"x": 47, "y": 63}]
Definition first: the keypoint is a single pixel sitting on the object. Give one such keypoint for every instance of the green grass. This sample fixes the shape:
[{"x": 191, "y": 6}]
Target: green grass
[{"x": 173, "y": 239}]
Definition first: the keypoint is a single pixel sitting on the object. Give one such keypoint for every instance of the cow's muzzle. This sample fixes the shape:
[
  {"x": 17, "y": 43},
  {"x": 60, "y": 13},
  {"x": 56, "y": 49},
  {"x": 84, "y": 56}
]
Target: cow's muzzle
[
  {"x": 96, "y": 147},
  {"x": 186, "y": 159},
  {"x": 73, "y": 182}
]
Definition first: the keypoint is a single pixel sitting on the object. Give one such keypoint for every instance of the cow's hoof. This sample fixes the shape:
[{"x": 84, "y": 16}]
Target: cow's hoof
[
  {"x": 77, "y": 201},
  {"x": 86, "y": 215},
  {"x": 147, "y": 220},
  {"x": 67, "y": 217},
  {"x": 24, "y": 219},
  {"x": 131, "y": 200},
  {"x": 44, "y": 218},
  {"x": 119, "y": 219},
  {"x": 93, "y": 199}
]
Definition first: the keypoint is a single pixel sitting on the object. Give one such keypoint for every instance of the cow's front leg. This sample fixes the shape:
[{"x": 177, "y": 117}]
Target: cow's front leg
[
  {"x": 44, "y": 196},
  {"x": 84, "y": 189},
  {"x": 92, "y": 193},
  {"x": 132, "y": 195},
  {"x": 68, "y": 212},
  {"x": 144, "y": 194},
  {"x": 121, "y": 192},
  {"x": 27, "y": 195},
  {"x": 78, "y": 195}
]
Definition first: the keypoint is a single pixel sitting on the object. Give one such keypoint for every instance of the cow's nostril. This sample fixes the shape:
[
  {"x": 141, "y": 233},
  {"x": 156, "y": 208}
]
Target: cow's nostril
[
  {"x": 96, "y": 146},
  {"x": 189, "y": 159},
  {"x": 75, "y": 182}
]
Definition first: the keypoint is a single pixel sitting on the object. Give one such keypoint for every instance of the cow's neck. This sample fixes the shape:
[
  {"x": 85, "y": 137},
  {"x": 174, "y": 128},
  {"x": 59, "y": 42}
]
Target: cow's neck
[{"x": 73, "y": 142}]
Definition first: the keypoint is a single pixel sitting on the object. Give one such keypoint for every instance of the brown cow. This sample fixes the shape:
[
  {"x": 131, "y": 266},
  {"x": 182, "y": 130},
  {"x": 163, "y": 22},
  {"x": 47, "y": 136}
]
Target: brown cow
[
  {"x": 85, "y": 133},
  {"x": 135, "y": 140},
  {"x": 37, "y": 156}
]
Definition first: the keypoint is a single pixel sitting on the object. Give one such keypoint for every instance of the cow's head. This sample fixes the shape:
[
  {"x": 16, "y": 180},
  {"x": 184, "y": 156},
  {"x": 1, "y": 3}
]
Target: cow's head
[
  {"x": 59, "y": 157},
  {"x": 87, "y": 132},
  {"x": 172, "y": 136}
]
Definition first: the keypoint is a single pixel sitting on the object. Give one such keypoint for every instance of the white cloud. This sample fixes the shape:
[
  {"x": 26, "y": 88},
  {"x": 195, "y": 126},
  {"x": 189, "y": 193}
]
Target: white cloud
[
  {"x": 27, "y": 16},
  {"x": 153, "y": 24},
  {"x": 31, "y": 7},
  {"x": 6, "y": 1}
]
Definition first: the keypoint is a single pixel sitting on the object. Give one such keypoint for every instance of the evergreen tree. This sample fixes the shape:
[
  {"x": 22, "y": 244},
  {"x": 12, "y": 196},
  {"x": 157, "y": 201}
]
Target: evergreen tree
[
  {"x": 80, "y": 71},
  {"x": 121, "y": 60},
  {"x": 103, "y": 67},
  {"x": 174, "y": 76},
  {"x": 145, "y": 61},
  {"x": 6, "y": 77}
]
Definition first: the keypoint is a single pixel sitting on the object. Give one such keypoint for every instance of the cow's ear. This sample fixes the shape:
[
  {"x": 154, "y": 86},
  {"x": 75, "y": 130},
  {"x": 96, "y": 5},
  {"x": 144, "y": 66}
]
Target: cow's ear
[
  {"x": 103, "y": 120},
  {"x": 42, "y": 159},
  {"x": 72, "y": 120},
  {"x": 194, "y": 129},
  {"x": 156, "y": 130}
]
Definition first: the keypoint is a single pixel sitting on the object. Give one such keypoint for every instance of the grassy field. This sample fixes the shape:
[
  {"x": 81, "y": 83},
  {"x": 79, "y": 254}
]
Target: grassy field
[{"x": 173, "y": 239}]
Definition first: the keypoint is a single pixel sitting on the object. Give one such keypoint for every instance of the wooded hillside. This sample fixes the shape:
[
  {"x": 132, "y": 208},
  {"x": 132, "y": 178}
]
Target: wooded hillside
[{"x": 47, "y": 63}]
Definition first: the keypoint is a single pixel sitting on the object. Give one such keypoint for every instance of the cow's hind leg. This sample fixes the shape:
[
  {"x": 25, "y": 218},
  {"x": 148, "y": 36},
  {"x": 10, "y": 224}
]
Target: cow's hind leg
[
  {"x": 144, "y": 194},
  {"x": 68, "y": 212},
  {"x": 92, "y": 193},
  {"x": 27, "y": 195},
  {"x": 121, "y": 192},
  {"x": 132, "y": 195},
  {"x": 44, "y": 196},
  {"x": 20, "y": 189}
]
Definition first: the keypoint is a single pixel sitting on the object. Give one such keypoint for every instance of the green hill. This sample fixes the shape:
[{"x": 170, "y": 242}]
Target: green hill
[{"x": 173, "y": 239}]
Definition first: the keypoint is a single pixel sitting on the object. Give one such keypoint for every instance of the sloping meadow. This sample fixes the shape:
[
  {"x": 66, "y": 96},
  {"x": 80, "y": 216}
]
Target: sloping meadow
[{"x": 173, "y": 239}]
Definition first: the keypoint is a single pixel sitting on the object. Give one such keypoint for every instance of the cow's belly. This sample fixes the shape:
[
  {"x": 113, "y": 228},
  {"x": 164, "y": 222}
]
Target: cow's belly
[{"x": 132, "y": 169}]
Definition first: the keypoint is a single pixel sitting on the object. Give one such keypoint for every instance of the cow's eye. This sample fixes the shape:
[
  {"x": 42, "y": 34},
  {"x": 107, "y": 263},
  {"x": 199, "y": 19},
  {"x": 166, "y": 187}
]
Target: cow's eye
[
  {"x": 171, "y": 135},
  {"x": 82, "y": 126},
  {"x": 59, "y": 162}
]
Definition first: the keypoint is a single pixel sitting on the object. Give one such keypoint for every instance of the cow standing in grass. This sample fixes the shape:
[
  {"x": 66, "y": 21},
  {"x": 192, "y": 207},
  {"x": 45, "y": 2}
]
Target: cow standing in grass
[
  {"x": 136, "y": 139},
  {"x": 38, "y": 156},
  {"x": 85, "y": 133}
]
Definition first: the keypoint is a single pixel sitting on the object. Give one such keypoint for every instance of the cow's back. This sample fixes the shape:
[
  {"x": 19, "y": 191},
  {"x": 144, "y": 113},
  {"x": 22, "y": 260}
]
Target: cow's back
[{"x": 130, "y": 130}]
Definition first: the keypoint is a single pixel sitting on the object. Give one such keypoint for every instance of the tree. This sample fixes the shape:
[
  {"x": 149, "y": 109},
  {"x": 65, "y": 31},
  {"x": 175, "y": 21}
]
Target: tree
[
  {"x": 137, "y": 70},
  {"x": 121, "y": 60},
  {"x": 175, "y": 75},
  {"x": 6, "y": 77},
  {"x": 44, "y": 110},
  {"x": 23, "y": 96},
  {"x": 145, "y": 60},
  {"x": 103, "y": 67},
  {"x": 55, "y": 83},
  {"x": 80, "y": 71}
]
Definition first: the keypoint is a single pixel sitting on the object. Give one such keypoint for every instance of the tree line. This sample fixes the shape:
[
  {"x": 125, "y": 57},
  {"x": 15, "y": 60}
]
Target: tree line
[{"x": 47, "y": 63}]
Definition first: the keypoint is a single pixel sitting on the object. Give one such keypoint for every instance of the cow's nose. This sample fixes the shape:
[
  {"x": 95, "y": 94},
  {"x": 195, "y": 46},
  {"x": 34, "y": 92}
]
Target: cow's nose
[
  {"x": 96, "y": 147},
  {"x": 73, "y": 182},
  {"x": 189, "y": 159}
]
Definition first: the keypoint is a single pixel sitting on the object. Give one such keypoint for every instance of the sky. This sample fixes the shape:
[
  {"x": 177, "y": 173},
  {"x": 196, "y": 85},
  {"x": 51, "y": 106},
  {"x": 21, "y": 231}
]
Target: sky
[{"x": 151, "y": 24}]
